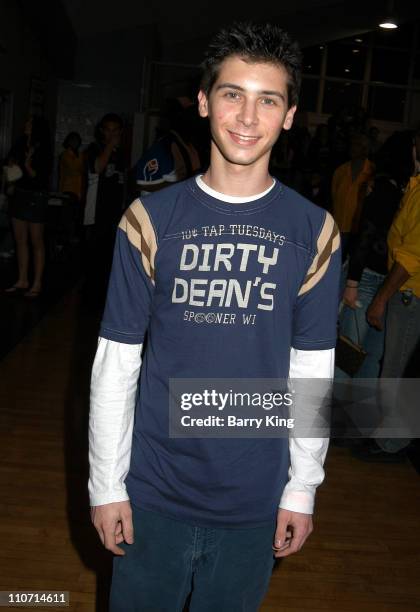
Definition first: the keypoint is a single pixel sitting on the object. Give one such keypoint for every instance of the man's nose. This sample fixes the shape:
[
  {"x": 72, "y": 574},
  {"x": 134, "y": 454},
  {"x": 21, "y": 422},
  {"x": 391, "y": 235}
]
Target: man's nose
[{"x": 248, "y": 113}]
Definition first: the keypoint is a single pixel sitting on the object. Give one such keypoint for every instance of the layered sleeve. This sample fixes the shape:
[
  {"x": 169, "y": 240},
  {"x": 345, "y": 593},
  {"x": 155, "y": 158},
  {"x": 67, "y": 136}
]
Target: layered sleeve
[
  {"x": 312, "y": 356},
  {"x": 116, "y": 367}
]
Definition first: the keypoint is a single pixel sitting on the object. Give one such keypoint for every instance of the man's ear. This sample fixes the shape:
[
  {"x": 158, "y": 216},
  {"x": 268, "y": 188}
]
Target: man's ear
[
  {"x": 288, "y": 120},
  {"x": 203, "y": 110}
]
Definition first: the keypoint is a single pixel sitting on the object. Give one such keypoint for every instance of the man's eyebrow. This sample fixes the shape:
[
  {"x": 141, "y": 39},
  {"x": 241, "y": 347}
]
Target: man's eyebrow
[{"x": 264, "y": 92}]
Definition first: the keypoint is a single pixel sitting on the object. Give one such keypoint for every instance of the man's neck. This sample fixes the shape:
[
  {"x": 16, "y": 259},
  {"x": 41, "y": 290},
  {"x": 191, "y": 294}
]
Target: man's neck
[{"x": 236, "y": 180}]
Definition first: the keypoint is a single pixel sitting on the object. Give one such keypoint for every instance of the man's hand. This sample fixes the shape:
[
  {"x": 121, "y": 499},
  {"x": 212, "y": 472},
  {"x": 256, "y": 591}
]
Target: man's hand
[
  {"x": 292, "y": 530},
  {"x": 114, "y": 524},
  {"x": 376, "y": 312},
  {"x": 350, "y": 296}
]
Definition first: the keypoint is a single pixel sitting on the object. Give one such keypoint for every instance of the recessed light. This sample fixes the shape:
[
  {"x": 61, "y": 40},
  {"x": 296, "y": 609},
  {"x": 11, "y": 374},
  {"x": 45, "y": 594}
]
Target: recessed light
[{"x": 389, "y": 24}]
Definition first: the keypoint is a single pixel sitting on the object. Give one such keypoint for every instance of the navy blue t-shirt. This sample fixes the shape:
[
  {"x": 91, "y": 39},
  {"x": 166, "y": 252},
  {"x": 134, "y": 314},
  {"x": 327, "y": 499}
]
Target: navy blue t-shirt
[{"x": 223, "y": 291}]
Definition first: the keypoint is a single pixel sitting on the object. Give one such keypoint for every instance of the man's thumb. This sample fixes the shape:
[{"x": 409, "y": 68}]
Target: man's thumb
[{"x": 280, "y": 535}]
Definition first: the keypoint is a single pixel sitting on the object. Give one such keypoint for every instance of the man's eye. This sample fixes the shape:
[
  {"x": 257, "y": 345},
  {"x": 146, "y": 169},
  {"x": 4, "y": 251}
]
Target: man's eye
[
  {"x": 232, "y": 95},
  {"x": 268, "y": 101}
]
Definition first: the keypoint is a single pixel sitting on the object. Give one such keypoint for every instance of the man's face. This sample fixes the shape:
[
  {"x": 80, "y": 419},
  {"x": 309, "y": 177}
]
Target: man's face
[
  {"x": 111, "y": 132},
  {"x": 247, "y": 109}
]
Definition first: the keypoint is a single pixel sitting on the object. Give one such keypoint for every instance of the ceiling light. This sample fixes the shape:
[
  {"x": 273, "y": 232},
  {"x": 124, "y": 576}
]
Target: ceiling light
[
  {"x": 388, "y": 24},
  {"x": 346, "y": 69},
  {"x": 355, "y": 50},
  {"x": 358, "y": 40}
]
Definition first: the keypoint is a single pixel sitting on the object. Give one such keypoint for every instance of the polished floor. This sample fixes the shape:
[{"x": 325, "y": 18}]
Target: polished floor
[{"x": 364, "y": 555}]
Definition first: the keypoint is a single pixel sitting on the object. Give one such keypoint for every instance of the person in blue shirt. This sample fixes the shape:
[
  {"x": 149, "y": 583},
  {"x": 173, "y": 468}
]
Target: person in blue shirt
[
  {"x": 174, "y": 155},
  {"x": 227, "y": 275}
]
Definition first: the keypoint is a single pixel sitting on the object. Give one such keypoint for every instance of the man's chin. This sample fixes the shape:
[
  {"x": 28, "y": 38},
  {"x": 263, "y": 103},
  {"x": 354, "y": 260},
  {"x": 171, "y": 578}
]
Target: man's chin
[
  {"x": 241, "y": 161},
  {"x": 240, "y": 158}
]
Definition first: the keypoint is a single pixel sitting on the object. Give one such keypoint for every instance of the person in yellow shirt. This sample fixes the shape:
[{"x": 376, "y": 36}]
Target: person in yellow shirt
[
  {"x": 349, "y": 187},
  {"x": 403, "y": 280},
  {"x": 399, "y": 297},
  {"x": 71, "y": 170}
]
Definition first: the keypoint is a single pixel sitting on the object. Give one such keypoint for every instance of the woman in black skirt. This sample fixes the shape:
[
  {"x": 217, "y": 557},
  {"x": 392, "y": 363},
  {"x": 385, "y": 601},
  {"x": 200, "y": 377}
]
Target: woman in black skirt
[{"x": 28, "y": 203}]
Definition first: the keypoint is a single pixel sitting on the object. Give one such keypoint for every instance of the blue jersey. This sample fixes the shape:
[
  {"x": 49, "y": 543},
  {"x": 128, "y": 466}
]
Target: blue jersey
[
  {"x": 222, "y": 291},
  {"x": 168, "y": 160},
  {"x": 157, "y": 164}
]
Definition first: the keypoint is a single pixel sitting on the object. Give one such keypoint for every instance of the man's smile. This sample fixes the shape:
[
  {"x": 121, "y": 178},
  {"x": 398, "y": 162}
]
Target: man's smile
[{"x": 243, "y": 138}]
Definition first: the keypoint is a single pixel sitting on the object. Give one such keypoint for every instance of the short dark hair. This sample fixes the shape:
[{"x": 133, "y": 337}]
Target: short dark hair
[
  {"x": 69, "y": 137},
  {"x": 254, "y": 43},
  {"x": 111, "y": 118}
]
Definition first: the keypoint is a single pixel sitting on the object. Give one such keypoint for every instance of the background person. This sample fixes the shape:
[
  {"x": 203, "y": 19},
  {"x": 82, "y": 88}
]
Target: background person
[
  {"x": 349, "y": 187},
  {"x": 105, "y": 199},
  {"x": 71, "y": 166},
  {"x": 399, "y": 300},
  {"x": 174, "y": 156},
  {"x": 28, "y": 202},
  {"x": 368, "y": 260}
]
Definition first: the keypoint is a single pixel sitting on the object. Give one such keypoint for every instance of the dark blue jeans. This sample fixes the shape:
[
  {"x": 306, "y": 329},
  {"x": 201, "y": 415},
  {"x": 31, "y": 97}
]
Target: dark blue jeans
[{"x": 225, "y": 570}]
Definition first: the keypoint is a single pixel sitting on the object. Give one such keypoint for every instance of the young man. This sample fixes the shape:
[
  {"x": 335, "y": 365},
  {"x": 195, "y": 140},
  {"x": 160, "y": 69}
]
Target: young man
[
  {"x": 104, "y": 200},
  {"x": 192, "y": 263},
  {"x": 106, "y": 167}
]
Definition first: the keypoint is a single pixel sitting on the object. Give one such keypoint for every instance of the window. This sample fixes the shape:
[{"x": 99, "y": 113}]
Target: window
[
  {"x": 312, "y": 59},
  {"x": 389, "y": 66},
  {"x": 386, "y": 103},
  {"x": 372, "y": 68},
  {"x": 308, "y": 95},
  {"x": 340, "y": 94},
  {"x": 346, "y": 61}
]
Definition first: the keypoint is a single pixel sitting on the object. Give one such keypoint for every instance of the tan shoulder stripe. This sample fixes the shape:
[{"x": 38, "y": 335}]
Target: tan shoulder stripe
[
  {"x": 140, "y": 232},
  {"x": 326, "y": 253},
  {"x": 328, "y": 242}
]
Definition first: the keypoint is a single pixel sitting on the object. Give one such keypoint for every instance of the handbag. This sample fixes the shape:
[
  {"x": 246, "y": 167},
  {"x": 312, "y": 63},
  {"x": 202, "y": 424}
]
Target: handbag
[{"x": 349, "y": 355}]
